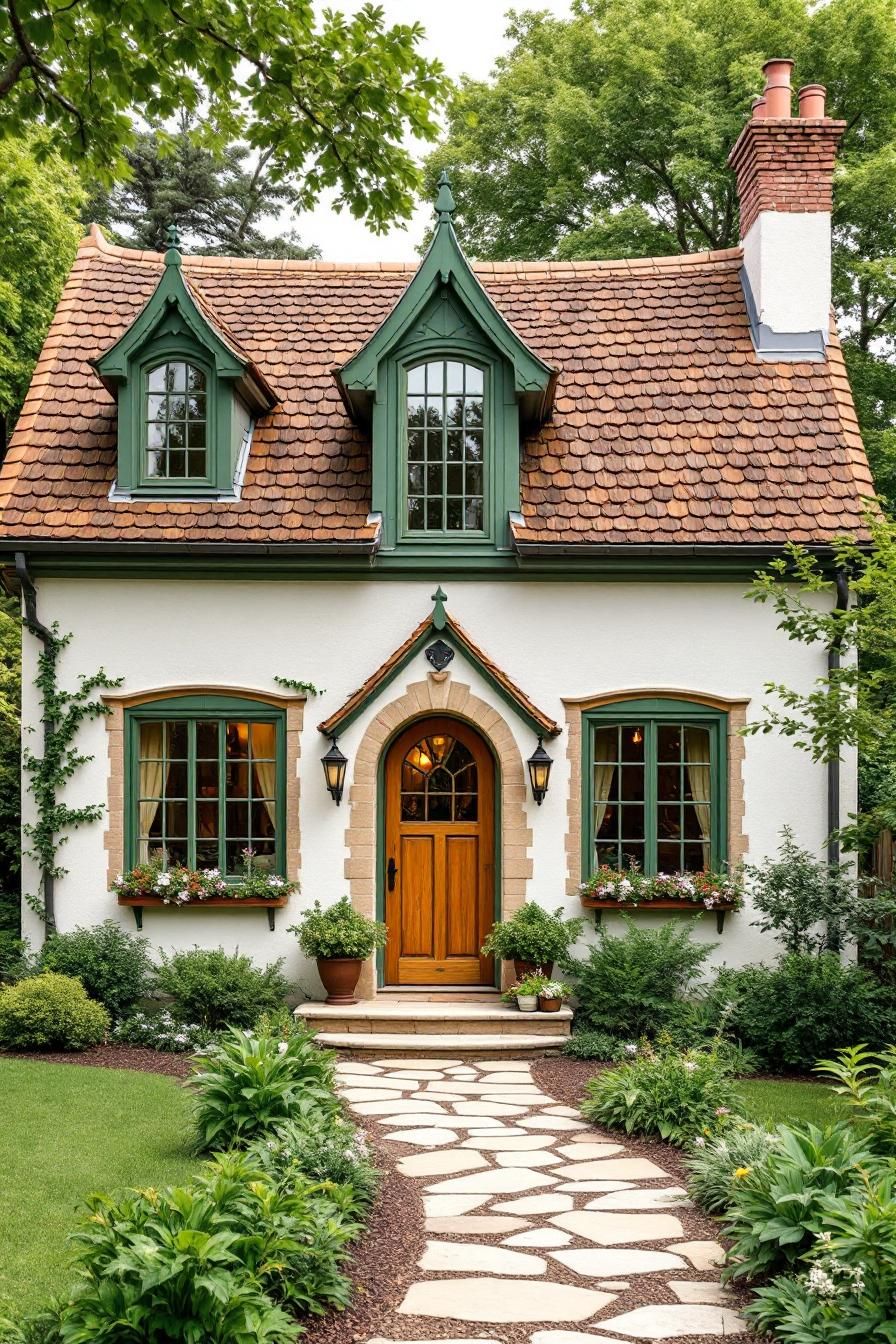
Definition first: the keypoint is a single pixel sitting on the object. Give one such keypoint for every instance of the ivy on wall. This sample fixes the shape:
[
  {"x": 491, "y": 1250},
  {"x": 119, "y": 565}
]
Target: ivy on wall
[
  {"x": 63, "y": 713},
  {"x": 301, "y": 687}
]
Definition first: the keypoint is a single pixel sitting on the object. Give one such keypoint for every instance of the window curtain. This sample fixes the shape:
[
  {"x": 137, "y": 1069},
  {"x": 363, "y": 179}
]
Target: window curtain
[
  {"x": 264, "y": 743},
  {"x": 603, "y": 779},
  {"x": 152, "y": 736},
  {"x": 697, "y": 756}
]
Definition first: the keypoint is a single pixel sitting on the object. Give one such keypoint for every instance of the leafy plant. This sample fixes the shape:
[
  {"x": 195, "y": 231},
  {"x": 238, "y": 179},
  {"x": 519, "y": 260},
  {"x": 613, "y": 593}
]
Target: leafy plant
[
  {"x": 634, "y": 985},
  {"x": 718, "y": 1164},
  {"x": 676, "y": 1096},
  {"x": 50, "y": 1012},
  {"x": 630, "y": 886},
  {"x": 554, "y": 989},
  {"x": 217, "y": 989},
  {"x": 526, "y": 987},
  {"x": 868, "y": 1082},
  {"x": 179, "y": 885},
  {"x": 849, "y": 1288},
  {"x": 113, "y": 966},
  {"x": 338, "y": 931},
  {"x": 776, "y": 1211},
  {"x": 161, "y": 1031},
  {"x": 594, "y": 1045},
  {"x": 15, "y": 961},
  {"x": 805, "y": 902},
  {"x": 803, "y": 1008},
  {"x": 533, "y": 934},
  {"x": 251, "y": 1083},
  {"x": 320, "y": 1147}
]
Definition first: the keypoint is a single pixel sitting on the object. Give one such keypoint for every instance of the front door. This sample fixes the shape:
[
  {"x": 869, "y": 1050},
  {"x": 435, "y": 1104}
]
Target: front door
[{"x": 440, "y": 858}]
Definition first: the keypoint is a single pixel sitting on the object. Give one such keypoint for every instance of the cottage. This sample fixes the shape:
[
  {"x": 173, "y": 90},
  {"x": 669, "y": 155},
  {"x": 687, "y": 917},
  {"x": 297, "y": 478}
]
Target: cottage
[{"x": 491, "y": 513}]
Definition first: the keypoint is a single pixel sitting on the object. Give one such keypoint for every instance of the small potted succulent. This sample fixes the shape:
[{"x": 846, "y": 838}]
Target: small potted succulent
[
  {"x": 551, "y": 996},
  {"x": 526, "y": 991},
  {"x": 341, "y": 939},
  {"x": 533, "y": 939}
]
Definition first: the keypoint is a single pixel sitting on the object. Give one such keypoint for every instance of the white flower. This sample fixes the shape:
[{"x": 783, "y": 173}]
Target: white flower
[
  {"x": 276, "y": 882},
  {"x": 283, "y": 1047},
  {"x": 689, "y": 1066},
  {"x": 821, "y": 1284},
  {"x": 631, "y": 1048},
  {"x": 699, "y": 1142},
  {"x": 163, "y": 880}
]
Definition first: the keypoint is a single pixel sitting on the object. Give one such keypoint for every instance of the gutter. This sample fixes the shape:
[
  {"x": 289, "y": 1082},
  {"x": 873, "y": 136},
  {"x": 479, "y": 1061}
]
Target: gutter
[
  {"x": 41, "y": 632},
  {"x": 841, "y": 604},
  {"x": 247, "y": 549}
]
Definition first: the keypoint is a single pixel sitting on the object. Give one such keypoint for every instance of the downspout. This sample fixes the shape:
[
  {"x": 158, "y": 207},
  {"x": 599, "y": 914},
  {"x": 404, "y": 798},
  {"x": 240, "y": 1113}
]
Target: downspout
[
  {"x": 40, "y": 631},
  {"x": 841, "y": 604}
]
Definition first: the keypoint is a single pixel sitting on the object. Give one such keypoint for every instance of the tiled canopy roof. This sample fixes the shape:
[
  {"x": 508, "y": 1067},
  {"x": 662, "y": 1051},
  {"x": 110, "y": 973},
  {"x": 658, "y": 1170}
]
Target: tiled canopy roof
[{"x": 666, "y": 428}]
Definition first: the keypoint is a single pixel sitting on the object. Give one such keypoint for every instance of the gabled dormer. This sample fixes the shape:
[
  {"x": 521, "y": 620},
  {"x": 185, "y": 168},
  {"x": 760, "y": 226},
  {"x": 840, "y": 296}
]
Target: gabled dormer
[
  {"x": 187, "y": 395},
  {"x": 446, "y": 388}
]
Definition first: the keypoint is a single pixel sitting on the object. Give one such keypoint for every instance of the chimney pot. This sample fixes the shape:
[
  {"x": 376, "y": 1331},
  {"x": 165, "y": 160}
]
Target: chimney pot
[
  {"x": 777, "y": 88},
  {"x": 812, "y": 98},
  {"x": 758, "y": 108}
]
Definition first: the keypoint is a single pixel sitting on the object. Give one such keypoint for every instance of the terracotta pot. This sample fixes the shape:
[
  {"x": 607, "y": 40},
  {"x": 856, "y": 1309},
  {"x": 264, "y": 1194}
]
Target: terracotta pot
[
  {"x": 527, "y": 1003},
  {"x": 340, "y": 977},
  {"x": 550, "y": 1005},
  {"x": 524, "y": 968}
]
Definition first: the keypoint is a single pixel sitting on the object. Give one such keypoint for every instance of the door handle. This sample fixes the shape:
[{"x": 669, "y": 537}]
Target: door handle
[{"x": 391, "y": 870}]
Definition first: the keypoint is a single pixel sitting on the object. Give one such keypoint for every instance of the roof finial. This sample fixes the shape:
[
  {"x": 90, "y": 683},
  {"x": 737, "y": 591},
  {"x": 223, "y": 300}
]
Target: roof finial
[
  {"x": 172, "y": 240},
  {"x": 445, "y": 206},
  {"x": 439, "y": 616}
]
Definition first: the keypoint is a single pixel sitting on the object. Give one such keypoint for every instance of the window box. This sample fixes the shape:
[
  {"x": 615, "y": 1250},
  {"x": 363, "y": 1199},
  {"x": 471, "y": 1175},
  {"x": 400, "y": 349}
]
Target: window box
[
  {"x": 600, "y": 903},
  {"x": 269, "y": 903}
]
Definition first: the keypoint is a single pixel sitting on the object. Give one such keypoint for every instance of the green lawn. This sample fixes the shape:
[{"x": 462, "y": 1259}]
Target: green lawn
[
  {"x": 778, "y": 1103},
  {"x": 66, "y": 1132}
]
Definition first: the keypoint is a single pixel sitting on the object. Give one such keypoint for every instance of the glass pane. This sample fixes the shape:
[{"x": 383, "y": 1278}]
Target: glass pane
[
  {"x": 177, "y": 408},
  {"x": 415, "y": 478},
  {"x": 633, "y": 742},
  {"x": 174, "y": 853},
  {"x": 434, "y": 411},
  {"x": 434, "y": 479},
  {"x": 196, "y": 434},
  {"x": 176, "y": 780},
  {"x": 262, "y": 818},
  {"x": 207, "y": 738},
  {"x": 435, "y": 377},
  {"x": 668, "y": 823},
  {"x": 465, "y": 807},
  {"x": 207, "y": 779},
  {"x": 415, "y": 515},
  {"x": 474, "y": 480},
  {"x": 454, "y": 378},
  {"x": 455, "y": 445},
  {"x": 206, "y": 853},
  {"x": 175, "y": 819},
  {"x": 177, "y": 464},
  {"x": 632, "y": 821},
  {"x": 668, "y": 857},
  {"x": 416, "y": 411},
  {"x": 694, "y": 860},
  {"x": 434, "y": 447},
  {"x": 631, "y": 853},
  {"x": 237, "y": 740},
  {"x": 156, "y": 378},
  {"x": 417, "y": 379},
  {"x": 455, "y": 515},
  {"x": 668, "y": 742},
  {"x": 156, "y": 408},
  {"x": 439, "y": 807},
  {"x": 668, "y": 782},
  {"x": 175, "y": 739},
  {"x": 609, "y": 826},
  {"x": 237, "y": 819},
  {"x": 237, "y": 780},
  {"x": 434, "y": 514},
  {"x": 473, "y": 446},
  {"x": 195, "y": 464},
  {"x": 695, "y": 821},
  {"x": 155, "y": 464},
  {"x": 207, "y": 819},
  {"x": 416, "y": 440},
  {"x": 473, "y": 417},
  {"x": 195, "y": 379},
  {"x": 454, "y": 480},
  {"x": 608, "y": 854},
  {"x": 455, "y": 414},
  {"x": 632, "y": 782},
  {"x": 606, "y": 744},
  {"x": 413, "y": 807},
  {"x": 263, "y": 737},
  {"x": 473, "y": 381},
  {"x": 474, "y": 515}
]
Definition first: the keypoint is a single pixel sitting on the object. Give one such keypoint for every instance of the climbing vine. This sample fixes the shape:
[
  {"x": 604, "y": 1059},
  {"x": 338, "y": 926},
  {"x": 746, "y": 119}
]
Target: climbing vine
[
  {"x": 302, "y": 687},
  {"x": 63, "y": 714}
]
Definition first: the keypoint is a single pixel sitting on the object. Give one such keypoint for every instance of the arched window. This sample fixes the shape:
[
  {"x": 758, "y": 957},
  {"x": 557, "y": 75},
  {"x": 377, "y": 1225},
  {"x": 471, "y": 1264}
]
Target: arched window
[
  {"x": 445, "y": 447},
  {"x": 176, "y": 422},
  {"x": 439, "y": 781}
]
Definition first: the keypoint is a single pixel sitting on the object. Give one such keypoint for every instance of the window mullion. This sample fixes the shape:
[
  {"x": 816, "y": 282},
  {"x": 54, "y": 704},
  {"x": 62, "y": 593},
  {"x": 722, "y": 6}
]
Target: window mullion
[
  {"x": 650, "y": 796},
  {"x": 191, "y": 793},
  {"x": 222, "y": 796}
]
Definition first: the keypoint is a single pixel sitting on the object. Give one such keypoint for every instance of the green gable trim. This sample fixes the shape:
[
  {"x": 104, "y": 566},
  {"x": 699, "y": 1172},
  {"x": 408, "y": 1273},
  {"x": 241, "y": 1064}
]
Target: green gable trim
[
  {"x": 445, "y": 276},
  {"x": 441, "y": 625}
]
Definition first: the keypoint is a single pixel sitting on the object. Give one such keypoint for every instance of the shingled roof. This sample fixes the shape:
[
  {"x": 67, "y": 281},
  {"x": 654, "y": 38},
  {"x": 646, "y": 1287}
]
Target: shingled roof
[{"x": 666, "y": 428}]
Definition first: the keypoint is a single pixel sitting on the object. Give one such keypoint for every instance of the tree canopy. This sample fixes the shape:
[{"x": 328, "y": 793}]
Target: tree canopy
[
  {"x": 329, "y": 99},
  {"x": 606, "y": 135},
  {"x": 217, "y": 197}
]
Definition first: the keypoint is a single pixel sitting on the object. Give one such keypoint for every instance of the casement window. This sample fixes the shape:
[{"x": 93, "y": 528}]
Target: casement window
[
  {"x": 205, "y": 781},
  {"x": 655, "y": 786},
  {"x": 445, "y": 448},
  {"x": 176, "y": 436}
]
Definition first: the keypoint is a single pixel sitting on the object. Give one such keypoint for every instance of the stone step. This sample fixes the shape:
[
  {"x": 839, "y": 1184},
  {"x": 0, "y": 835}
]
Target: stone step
[
  {"x": 406, "y": 1045},
  {"x": 427, "y": 1019}
]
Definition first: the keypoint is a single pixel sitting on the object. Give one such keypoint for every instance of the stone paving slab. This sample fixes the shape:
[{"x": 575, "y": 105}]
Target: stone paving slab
[
  {"x": 490, "y": 1300},
  {"x": 472, "y": 1257},
  {"x": 615, "y": 1229},
  {"x": 671, "y": 1322}
]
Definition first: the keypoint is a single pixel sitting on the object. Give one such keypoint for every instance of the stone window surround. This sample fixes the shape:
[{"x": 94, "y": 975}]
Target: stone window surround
[
  {"x": 294, "y": 707},
  {"x": 736, "y": 710},
  {"x": 438, "y": 694}
]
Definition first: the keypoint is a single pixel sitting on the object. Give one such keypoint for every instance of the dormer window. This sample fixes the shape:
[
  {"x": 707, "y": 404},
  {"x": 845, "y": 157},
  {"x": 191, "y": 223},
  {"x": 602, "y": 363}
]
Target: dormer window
[
  {"x": 176, "y": 422},
  {"x": 445, "y": 447}
]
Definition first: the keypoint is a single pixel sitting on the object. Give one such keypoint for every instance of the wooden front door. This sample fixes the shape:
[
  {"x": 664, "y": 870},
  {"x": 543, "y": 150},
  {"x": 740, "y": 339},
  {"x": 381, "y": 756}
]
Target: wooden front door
[{"x": 440, "y": 855}]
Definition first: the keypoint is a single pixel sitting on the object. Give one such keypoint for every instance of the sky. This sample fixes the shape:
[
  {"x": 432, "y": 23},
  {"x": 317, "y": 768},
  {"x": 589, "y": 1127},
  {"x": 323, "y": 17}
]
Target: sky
[{"x": 466, "y": 36}]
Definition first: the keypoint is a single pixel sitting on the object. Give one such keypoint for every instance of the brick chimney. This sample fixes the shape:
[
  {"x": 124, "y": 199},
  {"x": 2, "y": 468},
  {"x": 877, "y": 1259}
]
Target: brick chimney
[{"x": 785, "y": 169}]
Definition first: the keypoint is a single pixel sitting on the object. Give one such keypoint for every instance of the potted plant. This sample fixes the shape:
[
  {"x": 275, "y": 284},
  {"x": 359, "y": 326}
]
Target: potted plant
[
  {"x": 526, "y": 991},
  {"x": 551, "y": 996},
  {"x": 341, "y": 939},
  {"x": 533, "y": 939}
]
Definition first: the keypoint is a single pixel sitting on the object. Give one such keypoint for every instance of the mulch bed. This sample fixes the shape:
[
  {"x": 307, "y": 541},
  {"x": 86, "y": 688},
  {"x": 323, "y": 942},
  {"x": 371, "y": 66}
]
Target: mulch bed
[{"x": 133, "y": 1057}]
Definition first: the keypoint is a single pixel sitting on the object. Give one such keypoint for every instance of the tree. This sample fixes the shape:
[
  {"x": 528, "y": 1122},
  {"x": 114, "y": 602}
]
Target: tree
[
  {"x": 330, "y": 99},
  {"x": 607, "y": 134},
  {"x": 39, "y": 231},
  {"x": 215, "y": 197}
]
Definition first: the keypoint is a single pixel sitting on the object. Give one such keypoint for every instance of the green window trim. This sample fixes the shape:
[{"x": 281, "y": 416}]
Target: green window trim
[
  {"x": 193, "y": 710},
  {"x": 651, "y": 715}
]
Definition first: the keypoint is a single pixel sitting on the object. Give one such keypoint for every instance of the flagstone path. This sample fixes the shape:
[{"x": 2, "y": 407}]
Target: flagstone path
[{"x": 535, "y": 1221}]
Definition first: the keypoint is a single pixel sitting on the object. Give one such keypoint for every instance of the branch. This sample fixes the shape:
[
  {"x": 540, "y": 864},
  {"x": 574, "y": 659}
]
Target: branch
[
  {"x": 9, "y": 76},
  {"x": 39, "y": 68}
]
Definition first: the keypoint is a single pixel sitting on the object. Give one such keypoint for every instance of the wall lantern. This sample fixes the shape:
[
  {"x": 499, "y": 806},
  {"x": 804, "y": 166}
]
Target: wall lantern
[
  {"x": 539, "y": 764},
  {"x": 334, "y": 764}
]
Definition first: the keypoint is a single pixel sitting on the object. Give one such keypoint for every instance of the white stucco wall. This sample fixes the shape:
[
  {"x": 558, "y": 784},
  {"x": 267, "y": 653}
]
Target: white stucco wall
[
  {"x": 787, "y": 257},
  {"x": 554, "y": 639}
]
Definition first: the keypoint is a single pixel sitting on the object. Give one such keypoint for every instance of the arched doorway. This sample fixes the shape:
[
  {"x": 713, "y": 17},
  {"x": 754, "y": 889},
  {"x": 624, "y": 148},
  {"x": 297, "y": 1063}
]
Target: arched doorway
[{"x": 439, "y": 855}]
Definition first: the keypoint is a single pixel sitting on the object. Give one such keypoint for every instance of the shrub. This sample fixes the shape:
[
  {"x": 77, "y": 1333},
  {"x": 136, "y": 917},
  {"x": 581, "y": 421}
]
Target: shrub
[
  {"x": 806, "y": 902},
  {"x": 50, "y": 1012},
  {"x": 803, "y": 1008},
  {"x": 113, "y": 966},
  {"x": 160, "y": 1031},
  {"x": 633, "y": 985},
  {"x": 848, "y": 1290},
  {"x": 15, "y": 962},
  {"x": 338, "y": 931},
  {"x": 775, "y": 1213},
  {"x": 676, "y": 1096},
  {"x": 868, "y": 1082},
  {"x": 320, "y": 1147},
  {"x": 533, "y": 934},
  {"x": 218, "y": 989},
  {"x": 717, "y": 1165},
  {"x": 252, "y": 1083},
  {"x": 594, "y": 1045}
]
